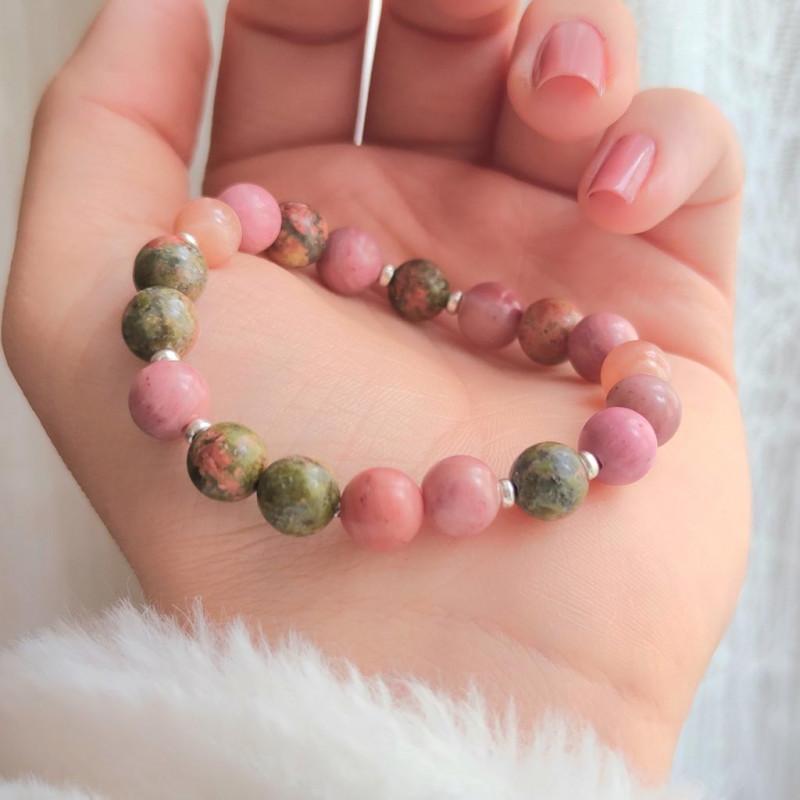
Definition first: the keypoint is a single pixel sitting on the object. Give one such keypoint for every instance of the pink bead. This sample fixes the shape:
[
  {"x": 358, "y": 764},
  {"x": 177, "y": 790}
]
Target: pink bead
[
  {"x": 634, "y": 358},
  {"x": 654, "y": 399},
  {"x": 381, "y": 509},
  {"x": 461, "y": 496},
  {"x": 259, "y": 215},
  {"x": 623, "y": 442},
  {"x": 351, "y": 261},
  {"x": 593, "y": 338},
  {"x": 489, "y": 315},
  {"x": 166, "y": 396},
  {"x": 215, "y": 226}
]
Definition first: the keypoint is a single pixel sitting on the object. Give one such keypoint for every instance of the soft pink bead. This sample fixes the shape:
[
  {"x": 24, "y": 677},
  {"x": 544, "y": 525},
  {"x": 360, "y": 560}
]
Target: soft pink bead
[
  {"x": 258, "y": 212},
  {"x": 351, "y": 261},
  {"x": 215, "y": 226},
  {"x": 381, "y": 509},
  {"x": 634, "y": 358},
  {"x": 461, "y": 496},
  {"x": 624, "y": 443},
  {"x": 593, "y": 338},
  {"x": 166, "y": 396},
  {"x": 489, "y": 315},
  {"x": 654, "y": 399}
]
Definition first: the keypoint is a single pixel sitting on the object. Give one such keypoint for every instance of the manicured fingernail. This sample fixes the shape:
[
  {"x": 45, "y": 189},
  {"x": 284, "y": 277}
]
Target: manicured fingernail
[
  {"x": 572, "y": 50},
  {"x": 626, "y": 167}
]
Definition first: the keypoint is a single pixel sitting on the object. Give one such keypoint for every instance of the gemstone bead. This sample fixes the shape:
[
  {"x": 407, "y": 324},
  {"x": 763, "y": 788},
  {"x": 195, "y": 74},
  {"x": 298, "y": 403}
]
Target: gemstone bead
[
  {"x": 298, "y": 496},
  {"x": 634, "y": 358},
  {"x": 654, "y": 399},
  {"x": 489, "y": 315},
  {"x": 159, "y": 319},
  {"x": 382, "y": 509},
  {"x": 172, "y": 262},
  {"x": 550, "y": 481},
  {"x": 461, "y": 496},
  {"x": 623, "y": 442},
  {"x": 351, "y": 262},
  {"x": 258, "y": 213},
  {"x": 225, "y": 461},
  {"x": 215, "y": 227},
  {"x": 545, "y": 328},
  {"x": 166, "y": 396},
  {"x": 419, "y": 290},
  {"x": 593, "y": 338},
  {"x": 302, "y": 238}
]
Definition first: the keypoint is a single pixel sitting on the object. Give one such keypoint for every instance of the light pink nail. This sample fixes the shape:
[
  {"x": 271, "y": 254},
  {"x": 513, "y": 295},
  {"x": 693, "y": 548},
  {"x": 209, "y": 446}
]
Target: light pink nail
[
  {"x": 572, "y": 50},
  {"x": 626, "y": 167}
]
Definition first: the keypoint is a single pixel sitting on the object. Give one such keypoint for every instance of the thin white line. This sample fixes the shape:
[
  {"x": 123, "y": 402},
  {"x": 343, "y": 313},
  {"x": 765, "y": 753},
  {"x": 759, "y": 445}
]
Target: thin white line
[{"x": 370, "y": 40}]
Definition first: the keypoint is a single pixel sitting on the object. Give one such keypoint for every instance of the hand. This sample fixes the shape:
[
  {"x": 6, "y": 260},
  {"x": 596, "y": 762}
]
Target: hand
[{"x": 612, "y": 613}]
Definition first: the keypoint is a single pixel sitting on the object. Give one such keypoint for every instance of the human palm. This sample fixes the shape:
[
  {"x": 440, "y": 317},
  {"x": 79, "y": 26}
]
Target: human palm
[{"x": 611, "y": 613}]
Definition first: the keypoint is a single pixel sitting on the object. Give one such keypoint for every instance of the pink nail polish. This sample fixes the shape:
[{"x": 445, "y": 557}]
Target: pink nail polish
[
  {"x": 572, "y": 49},
  {"x": 626, "y": 167}
]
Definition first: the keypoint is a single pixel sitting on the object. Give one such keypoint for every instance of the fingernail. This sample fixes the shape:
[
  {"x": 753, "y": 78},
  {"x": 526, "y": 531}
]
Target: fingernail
[
  {"x": 626, "y": 167},
  {"x": 572, "y": 50}
]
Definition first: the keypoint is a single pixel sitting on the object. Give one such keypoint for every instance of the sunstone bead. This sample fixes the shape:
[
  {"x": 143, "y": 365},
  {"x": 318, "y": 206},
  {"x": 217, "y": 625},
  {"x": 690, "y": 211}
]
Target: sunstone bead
[
  {"x": 298, "y": 496},
  {"x": 545, "y": 328},
  {"x": 550, "y": 480},
  {"x": 634, "y": 358},
  {"x": 225, "y": 461},
  {"x": 172, "y": 262},
  {"x": 654, "y": 399},
  {"x": 214, "y": 225},
  {"x": 419, "y": 290},
  {"x": 159, "y": 319},
  {"x": 302, "y": 238}
]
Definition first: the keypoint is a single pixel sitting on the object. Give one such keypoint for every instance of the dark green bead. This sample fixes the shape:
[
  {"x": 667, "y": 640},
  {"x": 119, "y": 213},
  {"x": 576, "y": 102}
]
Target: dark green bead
[
  {"x": 419, "y": 290},
  {"x": 550, "y": 480},
  {"x": 172, "y": 262},
  {"x": 159, "y": 319},
  {"x": 298, "y": 496}
]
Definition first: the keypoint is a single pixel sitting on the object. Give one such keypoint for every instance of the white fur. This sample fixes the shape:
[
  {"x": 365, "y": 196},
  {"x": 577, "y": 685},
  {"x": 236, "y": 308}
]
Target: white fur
[{"x": 130, "y": 706}]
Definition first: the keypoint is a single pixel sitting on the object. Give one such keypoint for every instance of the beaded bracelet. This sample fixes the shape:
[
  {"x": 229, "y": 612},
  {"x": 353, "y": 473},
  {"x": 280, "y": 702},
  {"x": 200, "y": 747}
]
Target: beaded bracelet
[{"x": 382, "y": 508}]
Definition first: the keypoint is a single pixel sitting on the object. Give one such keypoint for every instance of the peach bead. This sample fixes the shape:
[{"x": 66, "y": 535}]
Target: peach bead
[
  {"x": 214, "y": 225},
  {"x": 634, "y": 358}
]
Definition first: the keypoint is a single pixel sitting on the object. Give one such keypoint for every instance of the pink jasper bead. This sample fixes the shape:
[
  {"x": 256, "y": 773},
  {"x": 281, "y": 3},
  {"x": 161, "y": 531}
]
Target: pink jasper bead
[
  {"x": 215, "y": 226},
  {"x": 166, "y": 396},
  {"x": 381, "y": 509},
  {"x": 351, "y": 262},
  {"x": 634, "y": 358},
  {"x": 258, "y": 213},
  {"x": 623, "y": 442},
  {"x": 593, "y": 338},
  {"x": 461, "y": 496},
  {"x": 489, "y": 315},
  {"x": 654, "y": 399}
]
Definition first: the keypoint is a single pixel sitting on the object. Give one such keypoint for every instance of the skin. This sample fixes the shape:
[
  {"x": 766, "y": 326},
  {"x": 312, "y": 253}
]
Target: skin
[{"x": 610, "y": 614}]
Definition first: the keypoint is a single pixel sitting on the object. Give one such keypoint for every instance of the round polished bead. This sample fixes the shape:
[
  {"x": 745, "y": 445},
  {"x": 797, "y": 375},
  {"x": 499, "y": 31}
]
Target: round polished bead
[
  {"x": 545, "y": 328},
  {"x": 166, "y": 396},
  {"x": 382, "y": 509},
  {"x": 258, "y": 213},
  {"x": 634, "y": 358},
  {"x": 593, "y": 338},
  {"x": 623, "y": 442},
  {"x": 654, "y": 399},
  {"x": 550, "y": 480},
  {"x": 225, "y": 461},
  {"x": 172, "y": 262},
  {"x": 298, "y": 496},
  {"x": 214, "y": 225},
  {"x": 489, "y": 315},
  {"x": 419, "y": 290},
  {"x": 159, "y": 319},
  {"x": 461, "y": 496},
  {"x": 351, "y": 262},
  {"x": 302, "y": 238}
]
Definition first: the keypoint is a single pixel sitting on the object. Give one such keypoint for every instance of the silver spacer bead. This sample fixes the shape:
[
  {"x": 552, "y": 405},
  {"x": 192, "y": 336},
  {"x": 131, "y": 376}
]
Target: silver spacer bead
[
  {"x": 187, "y": 237},
  {"x": 454, "y": 301},
  {"x": 387, "y": 273},
  {"x": 590, "y": 464},
  {"x": 508, "y": 494},
  {"x": 195, "y": 427},
  {"x": 165, "y": 355}
]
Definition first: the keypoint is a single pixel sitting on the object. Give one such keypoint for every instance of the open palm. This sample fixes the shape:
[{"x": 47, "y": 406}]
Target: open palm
[{"x": 611, "y": 613}]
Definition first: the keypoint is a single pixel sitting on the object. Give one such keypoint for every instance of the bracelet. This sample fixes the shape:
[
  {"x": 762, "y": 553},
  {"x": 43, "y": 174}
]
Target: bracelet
[{"x": 383, "y": 508}]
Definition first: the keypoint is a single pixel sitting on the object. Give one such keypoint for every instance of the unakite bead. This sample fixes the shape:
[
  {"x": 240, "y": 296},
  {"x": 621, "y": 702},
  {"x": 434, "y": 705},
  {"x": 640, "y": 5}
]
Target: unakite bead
[
  {"x": 172, "y": 262},
  {"x": 545, "y": 328},
  {"x": 159, "y": 319},
  {"x": 550, "y": 480},
  {"x": 302, "y": 238},
  {"x": 418, "y": 290},
  {"x": 298, "y": 496}
]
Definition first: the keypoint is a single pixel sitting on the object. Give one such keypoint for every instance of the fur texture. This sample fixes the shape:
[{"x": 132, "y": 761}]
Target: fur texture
[{"x": 131, "y": 706}]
